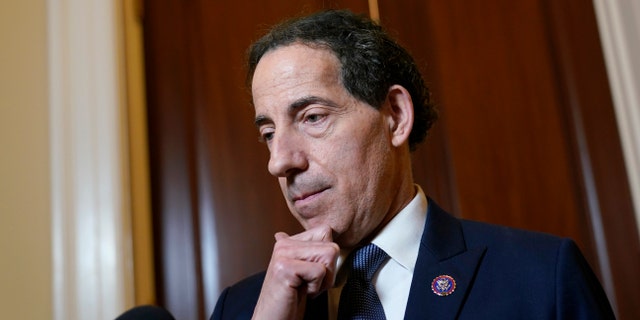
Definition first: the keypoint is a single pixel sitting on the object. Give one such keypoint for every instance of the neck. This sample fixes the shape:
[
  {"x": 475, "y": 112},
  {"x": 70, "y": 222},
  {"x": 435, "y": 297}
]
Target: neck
[{"x": 404, "y": 191}]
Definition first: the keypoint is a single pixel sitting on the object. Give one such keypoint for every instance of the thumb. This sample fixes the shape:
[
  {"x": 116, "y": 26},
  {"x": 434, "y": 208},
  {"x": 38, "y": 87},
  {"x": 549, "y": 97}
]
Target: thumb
[
  {"x": 280, "y": 235},
  {"x": 319, "y": 233}
]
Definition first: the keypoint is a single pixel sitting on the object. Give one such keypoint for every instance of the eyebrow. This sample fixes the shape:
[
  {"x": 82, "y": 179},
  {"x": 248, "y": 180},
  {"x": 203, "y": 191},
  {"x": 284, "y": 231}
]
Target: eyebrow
[
  {"x": 261, "y": 120},
  {"x": 295, "y": 106}
]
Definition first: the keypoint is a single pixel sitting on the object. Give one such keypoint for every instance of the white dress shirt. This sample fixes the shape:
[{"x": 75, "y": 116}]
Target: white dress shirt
[{"x": 400, "y": 239}]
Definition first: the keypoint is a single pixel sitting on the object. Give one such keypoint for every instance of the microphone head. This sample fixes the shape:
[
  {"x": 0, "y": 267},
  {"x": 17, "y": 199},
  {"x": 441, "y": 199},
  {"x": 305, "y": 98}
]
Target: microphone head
[{"x": 147, "y": 312}]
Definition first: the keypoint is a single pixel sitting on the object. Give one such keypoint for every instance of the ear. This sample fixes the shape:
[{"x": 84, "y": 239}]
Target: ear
[{"x": 400, "y": 114}]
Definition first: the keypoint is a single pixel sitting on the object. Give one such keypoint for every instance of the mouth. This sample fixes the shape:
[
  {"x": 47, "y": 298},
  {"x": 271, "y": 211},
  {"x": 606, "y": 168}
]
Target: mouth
[{"x": 307, "y": 197}]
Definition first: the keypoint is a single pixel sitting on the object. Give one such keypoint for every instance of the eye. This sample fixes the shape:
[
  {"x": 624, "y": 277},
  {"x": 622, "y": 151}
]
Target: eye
[
  {"x": 313, "y": 117},
  {"x": 266, "y": 135}
]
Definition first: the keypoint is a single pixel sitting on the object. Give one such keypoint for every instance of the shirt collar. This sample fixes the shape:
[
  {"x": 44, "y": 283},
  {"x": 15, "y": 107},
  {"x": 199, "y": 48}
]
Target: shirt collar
[{"x": 400, "y": 238}]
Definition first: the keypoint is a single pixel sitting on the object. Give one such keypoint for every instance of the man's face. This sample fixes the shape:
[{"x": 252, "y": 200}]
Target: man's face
[{"x": 330, "y": 151}]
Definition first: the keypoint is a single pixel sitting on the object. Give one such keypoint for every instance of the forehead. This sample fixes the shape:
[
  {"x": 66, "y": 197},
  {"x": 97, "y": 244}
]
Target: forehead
[{"x": 292, "y": 70}]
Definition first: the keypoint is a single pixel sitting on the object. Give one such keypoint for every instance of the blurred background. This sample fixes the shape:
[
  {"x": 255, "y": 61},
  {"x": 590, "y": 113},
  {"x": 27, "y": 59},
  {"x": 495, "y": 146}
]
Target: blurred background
[{"x": 131, "y": 173}]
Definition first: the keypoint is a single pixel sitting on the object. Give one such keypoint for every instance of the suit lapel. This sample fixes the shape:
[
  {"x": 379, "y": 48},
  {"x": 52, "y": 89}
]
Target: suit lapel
[{"x": 442, "y": 252}]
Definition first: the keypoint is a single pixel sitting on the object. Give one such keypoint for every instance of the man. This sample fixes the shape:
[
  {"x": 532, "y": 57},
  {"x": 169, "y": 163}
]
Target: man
[{"x": 340, "y": 106}]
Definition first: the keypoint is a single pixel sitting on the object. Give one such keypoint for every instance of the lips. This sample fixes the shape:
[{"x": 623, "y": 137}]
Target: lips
[{"x": 306, "y": 196}]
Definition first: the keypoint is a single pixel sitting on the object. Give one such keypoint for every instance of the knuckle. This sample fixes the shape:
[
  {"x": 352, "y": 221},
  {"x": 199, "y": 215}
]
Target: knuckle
[{"x": 325, "y": 232}]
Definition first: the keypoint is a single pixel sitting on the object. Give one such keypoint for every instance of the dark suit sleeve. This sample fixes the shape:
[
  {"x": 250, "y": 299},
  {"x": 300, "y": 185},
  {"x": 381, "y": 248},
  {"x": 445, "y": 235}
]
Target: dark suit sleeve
[
  {"x": 238, "y": 301},
  {"x": 217, "y": 312},
  {"x": 579, "y": 294}
]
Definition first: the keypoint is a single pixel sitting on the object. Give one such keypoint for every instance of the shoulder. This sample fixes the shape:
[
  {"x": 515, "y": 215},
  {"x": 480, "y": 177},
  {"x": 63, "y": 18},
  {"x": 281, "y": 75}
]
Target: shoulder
[
  {"x": 510, "y": 246},
  {"x": 539, "y": 269},
  {"x": 445, "y": 234},
  {"x": 509, "y": 238},
  {"x": 239, "y": 300},
  {"x": 536, "y": 271}
]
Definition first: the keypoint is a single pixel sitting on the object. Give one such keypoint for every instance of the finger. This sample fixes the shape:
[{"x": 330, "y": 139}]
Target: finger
[
  {"x": 313, "y": 251},
  {"x": 313, "y": 245},
  {"x": 281, "y": 235},
  {"x": 320, "y": 252},
  {"x": 317, "y": 278},
  {"x": 319, "y": 233},
  {"x": 295, "y": 274},
  {"x": 313, "y": 276}
]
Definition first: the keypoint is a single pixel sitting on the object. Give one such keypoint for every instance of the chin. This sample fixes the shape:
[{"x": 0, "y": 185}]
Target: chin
[{"x": 310, "y": 215}]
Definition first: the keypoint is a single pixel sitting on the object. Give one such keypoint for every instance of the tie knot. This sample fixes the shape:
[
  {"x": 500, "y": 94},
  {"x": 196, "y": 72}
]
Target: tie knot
[{"x": 366, "y": 261}]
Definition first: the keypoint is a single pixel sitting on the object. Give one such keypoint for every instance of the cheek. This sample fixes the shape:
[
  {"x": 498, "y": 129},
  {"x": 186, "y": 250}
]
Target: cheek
[
  {"x": 283, "y": 188},
  {"x": 371, "y": 172},
  {"x": 363, "y": 170}
]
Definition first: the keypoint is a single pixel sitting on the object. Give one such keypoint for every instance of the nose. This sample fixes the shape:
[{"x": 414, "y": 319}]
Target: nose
[{"x": 287, "y": 155}]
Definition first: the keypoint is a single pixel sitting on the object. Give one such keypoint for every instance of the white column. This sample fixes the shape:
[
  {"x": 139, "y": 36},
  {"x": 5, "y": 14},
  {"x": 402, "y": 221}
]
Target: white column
[
  {"x": 92, "y": 277},
  {"x": 619, "y": 24}
]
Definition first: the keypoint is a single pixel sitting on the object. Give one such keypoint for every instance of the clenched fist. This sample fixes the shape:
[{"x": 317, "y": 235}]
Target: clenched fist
[{"x": 302, "y": 264}]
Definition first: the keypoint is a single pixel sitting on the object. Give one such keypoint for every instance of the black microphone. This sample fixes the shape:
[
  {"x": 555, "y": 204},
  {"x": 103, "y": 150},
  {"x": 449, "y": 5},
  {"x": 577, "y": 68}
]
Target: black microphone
[{"x": 147, "y": 312}]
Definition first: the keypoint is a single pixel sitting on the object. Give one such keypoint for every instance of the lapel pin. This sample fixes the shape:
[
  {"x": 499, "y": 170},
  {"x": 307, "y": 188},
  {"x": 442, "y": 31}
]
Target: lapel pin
[{"x": 443, "y": 285}]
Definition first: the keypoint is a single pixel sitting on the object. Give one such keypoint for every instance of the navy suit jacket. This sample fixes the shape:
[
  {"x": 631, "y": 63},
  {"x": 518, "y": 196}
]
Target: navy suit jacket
[{"x": 500, "y": 273}]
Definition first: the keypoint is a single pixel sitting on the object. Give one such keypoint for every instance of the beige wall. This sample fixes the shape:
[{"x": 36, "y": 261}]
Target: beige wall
[
  {"x": 25, "y": 251},
  {"x": 61, "y": 67}
]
